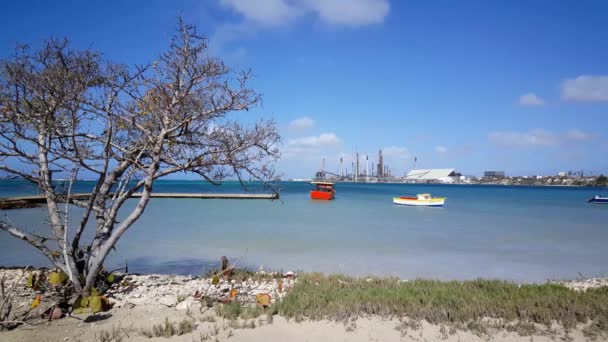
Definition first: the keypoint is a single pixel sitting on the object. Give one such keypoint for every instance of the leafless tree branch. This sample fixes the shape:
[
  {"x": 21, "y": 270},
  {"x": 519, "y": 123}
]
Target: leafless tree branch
[{"x": 63, "y": 109}]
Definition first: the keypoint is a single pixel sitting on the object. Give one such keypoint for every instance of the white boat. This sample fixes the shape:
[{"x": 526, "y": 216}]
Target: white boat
[
  {"x": 598, "y": 199},
  {"x": 420, "y": 200}
]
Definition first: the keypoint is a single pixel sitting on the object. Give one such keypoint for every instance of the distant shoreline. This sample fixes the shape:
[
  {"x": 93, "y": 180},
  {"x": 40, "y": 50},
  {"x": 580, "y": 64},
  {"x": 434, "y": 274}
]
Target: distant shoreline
[
  {"x": 467, "y": 184},
  {"x": 161, "y": 180}
]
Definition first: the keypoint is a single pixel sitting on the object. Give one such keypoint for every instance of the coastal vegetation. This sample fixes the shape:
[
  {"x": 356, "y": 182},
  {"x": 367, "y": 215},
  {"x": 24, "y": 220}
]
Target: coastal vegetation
[
  {"x": 168, "y": 329},
  {"x": 478, "y": 305},
  {"x": 66, "y": 113}
]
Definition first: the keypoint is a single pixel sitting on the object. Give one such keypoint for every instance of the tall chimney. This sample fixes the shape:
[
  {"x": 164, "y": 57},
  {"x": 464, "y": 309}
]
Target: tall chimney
[
  {"x": 380, "y": 164},
  {"x": 357, "y": 170}
]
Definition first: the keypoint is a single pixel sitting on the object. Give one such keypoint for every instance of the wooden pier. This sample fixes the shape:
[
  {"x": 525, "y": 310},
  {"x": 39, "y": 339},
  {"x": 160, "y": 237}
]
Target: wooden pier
[{"x": 36, "y": 200}]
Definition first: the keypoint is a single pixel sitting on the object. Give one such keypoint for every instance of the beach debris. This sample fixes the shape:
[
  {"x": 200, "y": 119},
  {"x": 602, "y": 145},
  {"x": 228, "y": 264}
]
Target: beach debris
[
  {"x": 227, "y": 269},
  {"x": 31, "y": 280},
  {"x": 57, "y": 278},
  {"x": 98, "y": 303},
  {"x": 263, "y": 299},
  {"x": 57, "y": 313},
  {"x": 36, "y": 280},
  {"x": 164, "y": 289},
  {"x": 53, "y": 312},
  {"x": 160, "y": 289},
  {"x": 36, "y": 301},
  {"x": 95, "y": 303},
  {"x": 224, "y": 262},
  {"x": 111, "y": 278},
  {"x": 81, "y": 304},
  {"x": 290, "y": 275}
]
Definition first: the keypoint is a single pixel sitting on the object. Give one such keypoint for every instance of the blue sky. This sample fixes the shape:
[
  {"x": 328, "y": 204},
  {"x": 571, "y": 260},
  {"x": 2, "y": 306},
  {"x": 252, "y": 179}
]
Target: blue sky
[{"x": 520, "y": 86}]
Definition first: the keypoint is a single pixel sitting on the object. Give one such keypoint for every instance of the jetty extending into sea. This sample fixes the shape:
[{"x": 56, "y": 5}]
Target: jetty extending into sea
[{"x": 36, "y": 200}]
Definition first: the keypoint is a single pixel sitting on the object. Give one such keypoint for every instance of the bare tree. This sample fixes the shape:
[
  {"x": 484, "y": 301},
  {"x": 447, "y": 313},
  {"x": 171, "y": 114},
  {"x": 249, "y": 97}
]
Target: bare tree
[{"x": 69, "y": 110}]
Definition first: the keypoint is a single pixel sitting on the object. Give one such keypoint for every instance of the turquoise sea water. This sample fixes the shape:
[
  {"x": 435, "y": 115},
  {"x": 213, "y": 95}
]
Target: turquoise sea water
[{"x": 514, "y": 233}]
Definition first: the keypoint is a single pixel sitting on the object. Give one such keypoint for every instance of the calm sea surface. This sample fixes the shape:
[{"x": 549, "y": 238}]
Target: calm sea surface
[{"x": 514, "y": 233}]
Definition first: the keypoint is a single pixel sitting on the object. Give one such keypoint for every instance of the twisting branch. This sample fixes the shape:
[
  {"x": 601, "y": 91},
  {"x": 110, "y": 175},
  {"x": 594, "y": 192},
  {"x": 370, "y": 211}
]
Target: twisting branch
[
  {"x": 63, "y": 110},
  {"x": 34, "y": 240}
]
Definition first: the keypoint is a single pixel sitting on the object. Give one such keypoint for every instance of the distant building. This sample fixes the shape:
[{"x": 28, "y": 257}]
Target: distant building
[
  {"x": 434, "y": 175},
  {"x": 494, "y": 174},
  {"x": 561, "y": 174},
  {"x": 380, "y": 172}
]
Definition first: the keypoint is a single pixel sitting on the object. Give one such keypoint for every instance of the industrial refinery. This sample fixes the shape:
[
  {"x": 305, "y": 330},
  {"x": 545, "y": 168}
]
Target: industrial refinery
[{"x": 369, "y": 172}]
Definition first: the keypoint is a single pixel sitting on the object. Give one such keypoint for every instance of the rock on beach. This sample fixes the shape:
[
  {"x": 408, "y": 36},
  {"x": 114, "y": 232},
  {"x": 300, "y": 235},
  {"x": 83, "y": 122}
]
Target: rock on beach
[{"x": 178, "y": 291}]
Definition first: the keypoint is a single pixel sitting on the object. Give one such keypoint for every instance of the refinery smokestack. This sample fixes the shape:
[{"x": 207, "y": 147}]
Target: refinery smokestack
[
  {"x": 357, "y": 170},
  {"x": 367, "y": 168},
  {"x": 341, "y": 169},
  {"x": 380, "y": 171}
]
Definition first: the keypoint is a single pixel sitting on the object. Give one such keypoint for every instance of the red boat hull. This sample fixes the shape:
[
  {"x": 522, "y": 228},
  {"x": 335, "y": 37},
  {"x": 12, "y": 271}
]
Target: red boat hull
[{"x": 322, "y": 195}]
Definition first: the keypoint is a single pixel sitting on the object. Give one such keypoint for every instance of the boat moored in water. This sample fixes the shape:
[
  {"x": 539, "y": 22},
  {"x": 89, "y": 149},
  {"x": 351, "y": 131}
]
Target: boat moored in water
[
  {"x": 323, "y": 191},
  {"x": 420, "y": 200},
  {"x": 598, "y": 199}
]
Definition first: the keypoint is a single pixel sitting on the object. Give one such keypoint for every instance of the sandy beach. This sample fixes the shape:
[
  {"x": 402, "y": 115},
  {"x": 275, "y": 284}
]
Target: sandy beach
[
  {"x": 151, "y": 302},
  {"x": 130, "y": 321}
]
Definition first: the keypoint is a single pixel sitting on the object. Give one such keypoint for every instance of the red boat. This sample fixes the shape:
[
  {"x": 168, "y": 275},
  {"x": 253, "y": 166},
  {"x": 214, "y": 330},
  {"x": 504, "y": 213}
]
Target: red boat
[{"x": 323, "y": 191}]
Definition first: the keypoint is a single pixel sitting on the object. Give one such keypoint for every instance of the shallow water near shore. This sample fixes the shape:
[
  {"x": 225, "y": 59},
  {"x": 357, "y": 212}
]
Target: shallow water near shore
[{"x": 524, "y": 234}]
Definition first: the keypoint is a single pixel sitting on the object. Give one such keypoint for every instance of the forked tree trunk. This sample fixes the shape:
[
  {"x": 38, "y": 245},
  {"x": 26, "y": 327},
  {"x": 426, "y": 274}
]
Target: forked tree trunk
[{"x": 157, "y": 120}]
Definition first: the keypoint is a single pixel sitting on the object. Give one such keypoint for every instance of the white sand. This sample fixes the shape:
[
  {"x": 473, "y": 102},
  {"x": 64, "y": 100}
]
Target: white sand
[{"x": 145, "y": 316}]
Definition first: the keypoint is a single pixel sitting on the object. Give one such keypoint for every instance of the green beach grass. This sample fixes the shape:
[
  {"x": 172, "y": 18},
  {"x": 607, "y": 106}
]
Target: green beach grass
[{"x": 462, "y": 304}]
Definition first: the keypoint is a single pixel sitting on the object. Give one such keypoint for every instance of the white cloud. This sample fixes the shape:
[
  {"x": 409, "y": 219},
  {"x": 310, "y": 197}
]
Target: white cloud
[
  {"x": 395, "y": 157},
  {"x": 302, "y": 123},
  {"x": 312, "y": 148},
  {"x": 537, "y": 137},
  {"x": 395, "y": 152},
  {"x": 334, "y": 12},
  {"x": 441, "y": 149},
  {"x": 531, "y": 99},
  {"x": 586, "y": 88},
  {"x": 266, "y": 12},
  {"x": 350, "y": 12},
  {"x": 578, "y": 135},
  {"x": 325, "y": 139}
]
